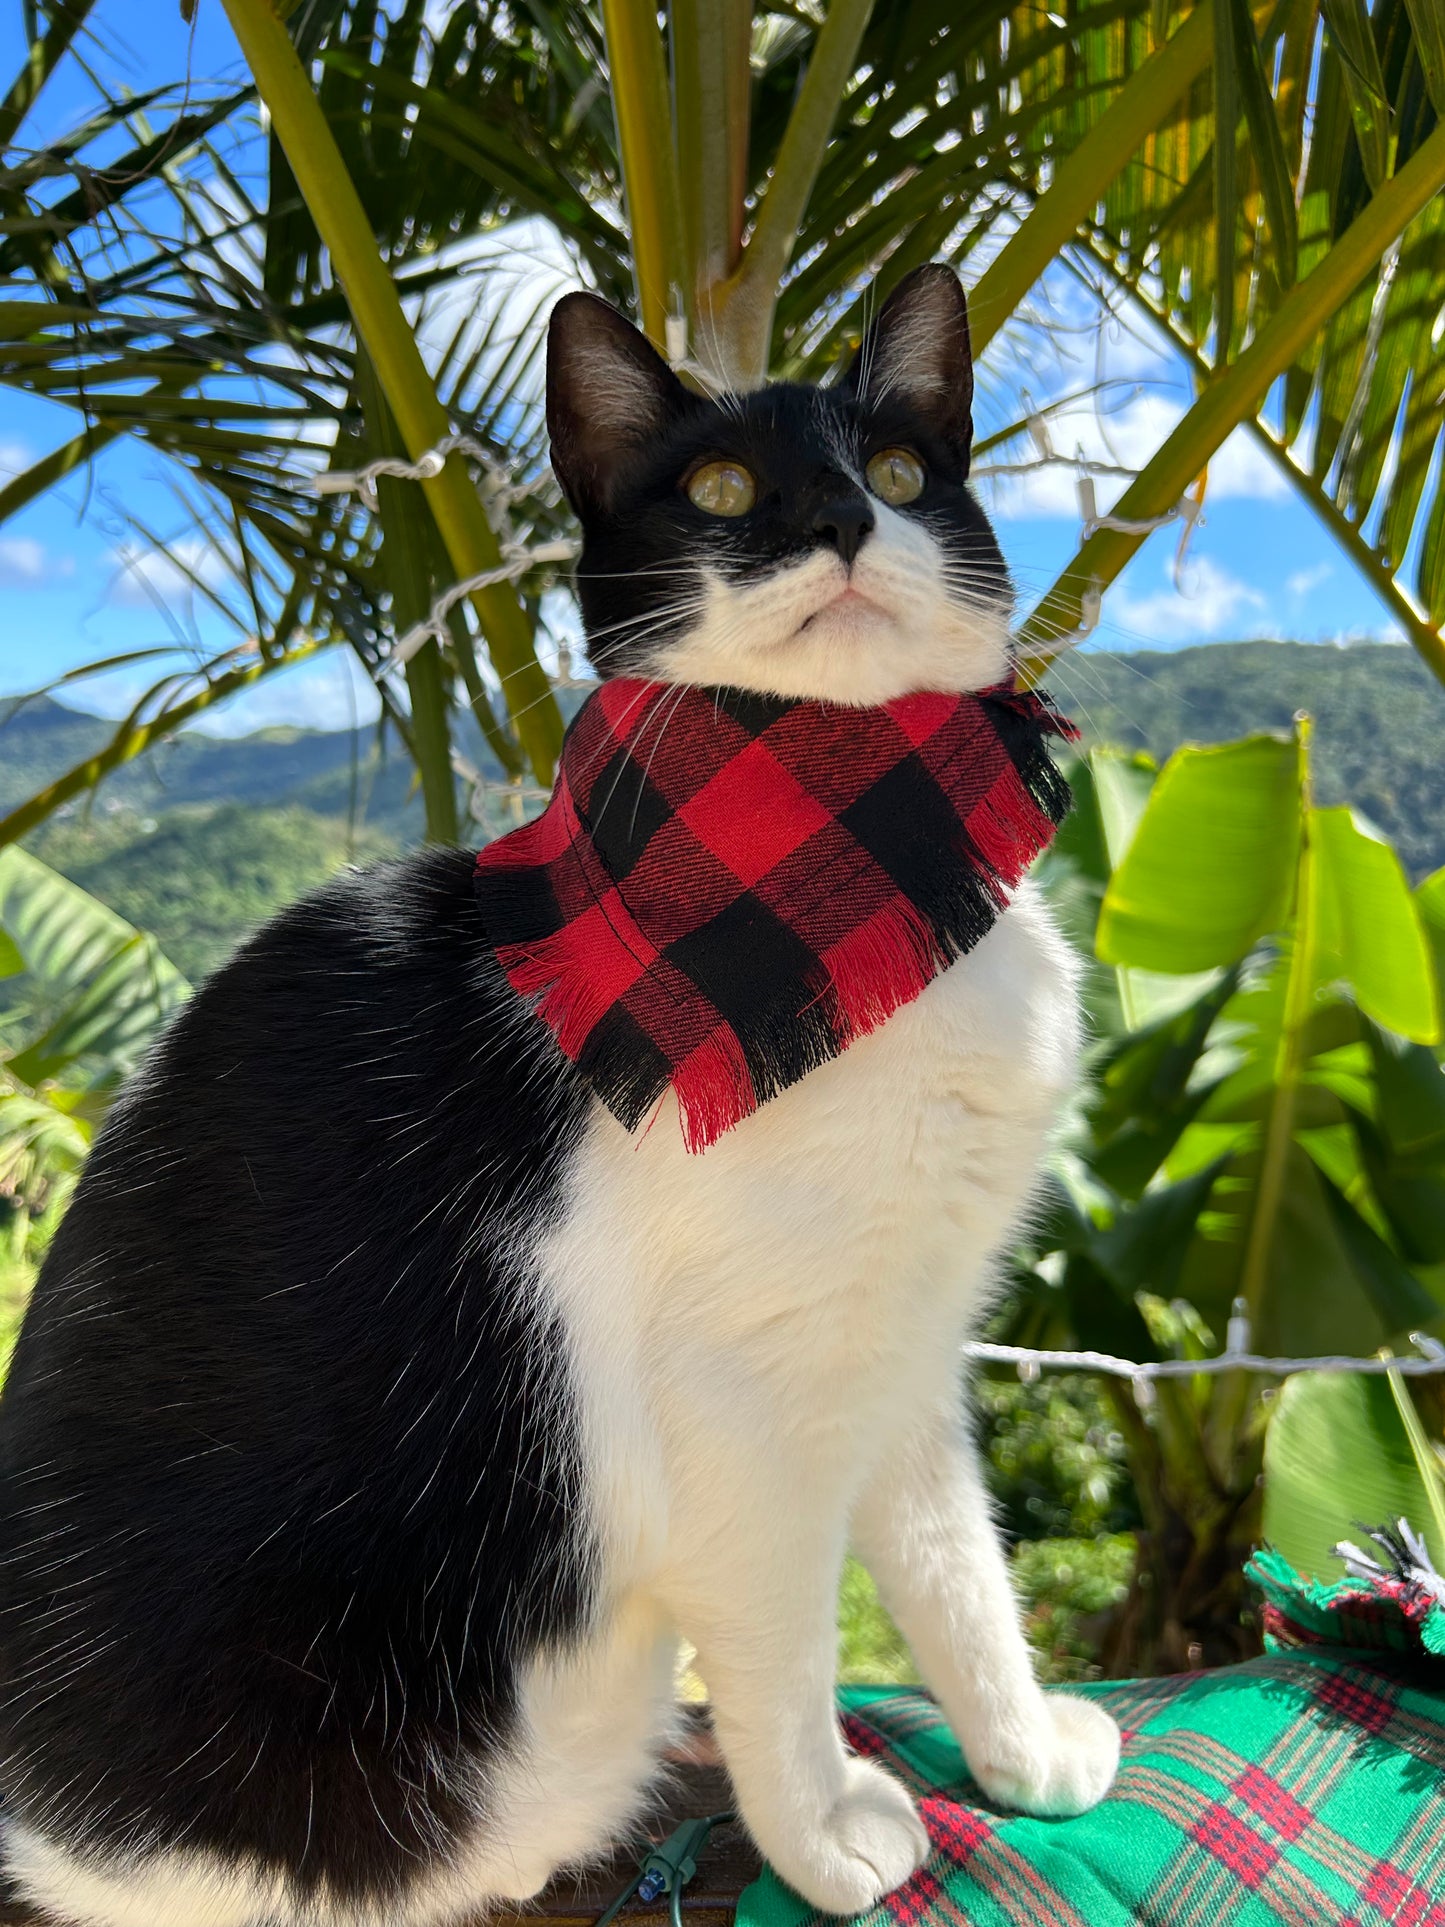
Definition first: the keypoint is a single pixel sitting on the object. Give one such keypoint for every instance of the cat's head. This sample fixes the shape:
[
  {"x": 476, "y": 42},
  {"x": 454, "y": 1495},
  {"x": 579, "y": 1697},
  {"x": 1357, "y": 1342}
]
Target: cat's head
[{"x": 799, "y": 541}]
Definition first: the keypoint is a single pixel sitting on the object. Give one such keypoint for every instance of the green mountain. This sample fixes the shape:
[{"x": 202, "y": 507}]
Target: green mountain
[
  {"x": 202, "y": 877},
  {"x": 204, "y": 837},
  {"x": 333, "y": 772},
  {"x": 1379, "y": 715}
]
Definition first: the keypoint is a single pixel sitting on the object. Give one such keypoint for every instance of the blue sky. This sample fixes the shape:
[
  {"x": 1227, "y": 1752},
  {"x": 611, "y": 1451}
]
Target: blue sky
[{"x": 75, "y": 585}]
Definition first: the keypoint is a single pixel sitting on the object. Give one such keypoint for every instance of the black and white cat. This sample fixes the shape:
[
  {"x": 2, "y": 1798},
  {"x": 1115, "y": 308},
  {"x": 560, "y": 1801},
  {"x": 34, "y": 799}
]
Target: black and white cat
[{"x": 386, "y": 1411}]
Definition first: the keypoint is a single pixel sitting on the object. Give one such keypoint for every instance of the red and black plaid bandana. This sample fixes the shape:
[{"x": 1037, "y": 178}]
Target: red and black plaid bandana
[{"x": 727, "y": 889}]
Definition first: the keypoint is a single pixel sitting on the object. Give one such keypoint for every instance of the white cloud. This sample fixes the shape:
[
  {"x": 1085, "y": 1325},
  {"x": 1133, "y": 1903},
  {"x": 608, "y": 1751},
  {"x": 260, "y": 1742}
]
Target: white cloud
[
  {"x": 1303, "y": 580},
  {"x": 1131, "y": 350},
  {"x": 14, "y": 456},
  {"x": 28, "y": 564},
  {"x": 331, "y": 691},
  {"x": 146, "y": 578},
  {"x": 1211, "y": 605},
  {"x": 506, "y": 281},
  {"x": 22, "y": 559},
  {"x": 1123, "y": 439},
  {"x": 1242, "y": 471}
]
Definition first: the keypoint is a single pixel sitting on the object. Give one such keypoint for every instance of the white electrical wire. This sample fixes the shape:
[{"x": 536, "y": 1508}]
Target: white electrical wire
[
  {"x": 1429, "y": 1358},
  {"x": 1187, "y": 509},
  {"x": 426, "y": 467},
  {"x": 1106, "y": 1365},
  {"x": 518, "y": 559},
  {"x": 498, "y": 494}
]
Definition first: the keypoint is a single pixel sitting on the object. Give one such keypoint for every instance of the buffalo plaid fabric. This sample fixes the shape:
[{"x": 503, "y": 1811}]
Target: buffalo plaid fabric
[
  {"x": 1306, "y": 1787},
  {"x": 727, "y": 889}
]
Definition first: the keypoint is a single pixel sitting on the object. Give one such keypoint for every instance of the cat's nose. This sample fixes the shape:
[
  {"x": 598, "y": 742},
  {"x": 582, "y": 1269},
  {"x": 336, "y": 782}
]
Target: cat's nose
[{"x": 844, "y": 521}]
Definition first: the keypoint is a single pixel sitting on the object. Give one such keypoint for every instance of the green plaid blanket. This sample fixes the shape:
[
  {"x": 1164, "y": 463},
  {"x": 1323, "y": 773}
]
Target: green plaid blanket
[{"x": 1305, "y": 1787}]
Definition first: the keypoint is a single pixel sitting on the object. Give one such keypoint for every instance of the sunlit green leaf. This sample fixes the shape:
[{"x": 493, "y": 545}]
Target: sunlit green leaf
[
  {"x": 1266, "y": 140},
  {"x": 1369, "y": 931},
  {"x": 1122, "y": 785},
  {"x": 113, "y": 1019},
  {"x": 1430, "y": 902},
  {"x": 63, "y": 934},
  {"x": 1211, "y": 868},
  {"x": 1350, "y": 23},
  {"x": 114, "y": 986},
  {"x": 1427, "y": 1460},
  {"x": 1429, "y": 23},
  {"x": 1338, "y": 1458}
]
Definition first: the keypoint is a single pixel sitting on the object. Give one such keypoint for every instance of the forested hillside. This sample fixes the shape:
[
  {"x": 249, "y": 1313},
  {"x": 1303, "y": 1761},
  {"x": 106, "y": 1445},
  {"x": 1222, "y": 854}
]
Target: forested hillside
[
  {"x": 335, "y": 773},
  {"x": 1379, "y": 719},
  {"x": 203, "y": 838}
]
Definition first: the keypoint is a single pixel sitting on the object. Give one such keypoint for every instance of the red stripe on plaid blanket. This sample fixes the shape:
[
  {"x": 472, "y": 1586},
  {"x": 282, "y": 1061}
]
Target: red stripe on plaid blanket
[
  {"x": 1265, "y": 1797},
  {"x": 1247, "y": 1857},
  {"x": 1366, "y": 1706}
]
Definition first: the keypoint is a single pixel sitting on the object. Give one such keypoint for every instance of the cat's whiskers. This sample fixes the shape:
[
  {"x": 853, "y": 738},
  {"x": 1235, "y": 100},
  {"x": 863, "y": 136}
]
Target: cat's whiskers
[
  {"x": 868, "y": 347},
  {"x": 681, "y": 605},
  {"x": 659, "y": 695},
  {"x": 656, "y": 693},
  {"x": 725, "y": 397},
  {"x": 645, "y": 569},
  {"x": 682, "y": 693},
  {"x": 664, "y": 619}
]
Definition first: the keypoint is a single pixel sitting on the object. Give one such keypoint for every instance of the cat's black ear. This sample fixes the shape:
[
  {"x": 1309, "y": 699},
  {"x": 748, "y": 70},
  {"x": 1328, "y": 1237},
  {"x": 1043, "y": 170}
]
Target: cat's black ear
[
  {"x": 917, "y": 350},
  {"x": 609, "y": 392}
]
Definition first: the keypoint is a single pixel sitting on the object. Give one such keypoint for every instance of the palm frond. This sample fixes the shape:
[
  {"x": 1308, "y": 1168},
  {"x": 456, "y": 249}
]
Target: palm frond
[{"x": 1357, "y": 415}]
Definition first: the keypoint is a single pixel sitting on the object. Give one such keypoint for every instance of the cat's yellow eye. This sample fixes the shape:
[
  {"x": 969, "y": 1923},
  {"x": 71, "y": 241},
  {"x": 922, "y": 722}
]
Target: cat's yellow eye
[
  {"x": 896, "y": 476},
  {"x": 722, "y": 488}
]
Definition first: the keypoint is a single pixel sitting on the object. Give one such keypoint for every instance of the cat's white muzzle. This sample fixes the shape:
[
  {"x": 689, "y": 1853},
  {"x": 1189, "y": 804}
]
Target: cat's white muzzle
[{"x": 816, "y": 628}]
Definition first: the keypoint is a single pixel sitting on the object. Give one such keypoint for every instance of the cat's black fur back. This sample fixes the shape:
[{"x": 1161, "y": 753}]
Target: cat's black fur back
[{"x": 288, "y": 1482}]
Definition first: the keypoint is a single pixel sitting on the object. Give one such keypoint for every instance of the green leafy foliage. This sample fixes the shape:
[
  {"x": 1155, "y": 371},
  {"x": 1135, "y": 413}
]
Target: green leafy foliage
[
  {"x": 870, "y": 1646},
  {"x": 103, "y": 986},
  {"x": 93, "y": 992},
  {"x": 161, "y": 276},
  {"x": 1274, "y": 1136},
  {"x": 1056, "y": 1457},
  {"x": 1369, "y": 934},
  {"x": 1378, "y": 717},
  {"x": 1210, "y": 868},
  {"x": 202, "y": 878},
  {"x": 1067, "y": 1588},
  {"x": 1239, "y": 1135},
  {"x": 1339, "y": 1456},
  {"x": 23, "y": 1242}
]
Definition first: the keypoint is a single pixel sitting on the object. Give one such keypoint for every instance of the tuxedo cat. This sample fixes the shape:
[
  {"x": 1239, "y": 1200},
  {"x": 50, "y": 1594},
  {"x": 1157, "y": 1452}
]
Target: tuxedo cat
[{"x": 387, "y": 1410}]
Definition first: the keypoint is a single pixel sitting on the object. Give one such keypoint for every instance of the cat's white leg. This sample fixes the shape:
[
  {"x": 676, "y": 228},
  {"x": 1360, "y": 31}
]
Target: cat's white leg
[
  {"x": 925, "y": 1531},
  {"x": 592, "y": 1729},
  {"x": 761, "y": 1605}
]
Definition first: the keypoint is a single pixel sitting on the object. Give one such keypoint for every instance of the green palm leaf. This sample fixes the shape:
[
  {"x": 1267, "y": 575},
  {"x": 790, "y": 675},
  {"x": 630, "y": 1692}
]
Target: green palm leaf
[{"x": 185, "y": 311}]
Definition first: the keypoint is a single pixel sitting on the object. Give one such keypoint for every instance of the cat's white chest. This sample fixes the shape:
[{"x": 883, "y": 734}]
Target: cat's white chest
[
  {"x": 921, "y": 1109},
  {"x": 815, "y": 1267},
  {"x": 878, "y": 1166}
]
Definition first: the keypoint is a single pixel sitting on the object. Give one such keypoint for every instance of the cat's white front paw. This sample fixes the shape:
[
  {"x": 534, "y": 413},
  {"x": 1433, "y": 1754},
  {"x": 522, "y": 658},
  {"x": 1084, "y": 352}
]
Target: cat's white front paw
[
  {"x": 870, "y": 1842},
  {"x": 1060, "y": 1764}
]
